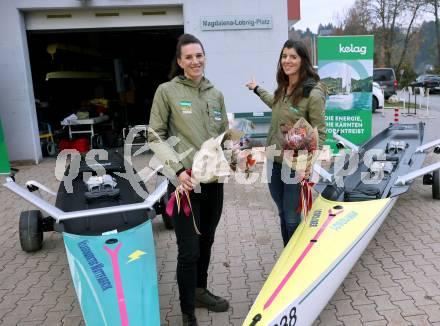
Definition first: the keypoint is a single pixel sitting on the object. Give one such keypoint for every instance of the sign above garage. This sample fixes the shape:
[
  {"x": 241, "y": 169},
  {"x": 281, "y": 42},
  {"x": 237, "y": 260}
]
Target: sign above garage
[{"x": 217, "y": 23}]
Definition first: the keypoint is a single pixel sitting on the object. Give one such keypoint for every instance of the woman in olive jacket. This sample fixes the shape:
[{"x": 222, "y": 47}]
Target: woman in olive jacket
[
  {"x": 189, "y": 108},
  {"x": 299, "y": 94}
]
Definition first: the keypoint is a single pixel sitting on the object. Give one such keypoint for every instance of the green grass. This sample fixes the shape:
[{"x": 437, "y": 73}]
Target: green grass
[{"x": 400, "y": 105}]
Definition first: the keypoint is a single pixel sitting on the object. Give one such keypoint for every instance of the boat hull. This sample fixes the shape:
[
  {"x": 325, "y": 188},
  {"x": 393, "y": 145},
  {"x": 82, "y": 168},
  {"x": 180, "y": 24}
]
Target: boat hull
[
  {"x": 115, "y": 276},
  {"x": 316, "y": 260}
]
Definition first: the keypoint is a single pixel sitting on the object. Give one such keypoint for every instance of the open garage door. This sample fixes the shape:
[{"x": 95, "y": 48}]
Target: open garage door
[{"x": 98, "y": 64}]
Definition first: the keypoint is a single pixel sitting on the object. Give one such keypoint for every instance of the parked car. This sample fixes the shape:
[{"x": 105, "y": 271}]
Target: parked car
[
  {"x": 386, "y": 78},
  {"x": 378, "y": 98},
  {"x": 432, "y": 82}
]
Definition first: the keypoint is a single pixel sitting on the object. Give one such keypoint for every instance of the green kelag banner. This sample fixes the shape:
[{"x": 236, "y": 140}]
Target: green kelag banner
[
  {"x": 4, "y": 161},
  {"x": 345, "y": 65}
]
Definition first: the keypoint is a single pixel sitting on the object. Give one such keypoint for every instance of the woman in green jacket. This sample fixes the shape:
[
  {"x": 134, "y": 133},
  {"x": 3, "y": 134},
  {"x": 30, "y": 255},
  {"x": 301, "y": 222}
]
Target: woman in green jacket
[
  {"x": 298, "y": 94},
  {"x": 190, "y": 110}
]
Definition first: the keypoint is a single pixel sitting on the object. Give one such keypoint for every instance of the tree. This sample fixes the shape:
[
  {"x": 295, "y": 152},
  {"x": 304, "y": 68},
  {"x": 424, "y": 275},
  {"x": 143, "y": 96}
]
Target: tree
[
  {"x": 413, "y": 10},
  {"x": 306, "y": 37},
  {"x": 408, "y": 74},
  {"x": 433, "y": 7},
  {"x": 388, "y": 14},
  {"x": 391, "y": 22},
  {"x": 358, "y": 20}
]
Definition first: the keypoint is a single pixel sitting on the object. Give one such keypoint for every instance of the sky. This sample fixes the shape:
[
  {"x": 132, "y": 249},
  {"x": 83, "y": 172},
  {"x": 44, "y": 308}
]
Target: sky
[{"x": 314, "y": 12}]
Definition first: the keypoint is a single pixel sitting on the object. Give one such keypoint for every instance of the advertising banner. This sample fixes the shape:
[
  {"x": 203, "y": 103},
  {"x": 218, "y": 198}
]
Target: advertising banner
[
  {"x": 345, "y": 65},
  {"x": 4, "y": 161}
]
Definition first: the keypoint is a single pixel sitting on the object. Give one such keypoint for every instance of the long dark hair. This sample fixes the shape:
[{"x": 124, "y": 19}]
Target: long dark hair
[
  {"x": 306, "y": 72},
  {"x": 184, "y": 39}
]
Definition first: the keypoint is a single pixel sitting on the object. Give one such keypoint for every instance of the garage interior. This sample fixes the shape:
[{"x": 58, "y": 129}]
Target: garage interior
[{"x": 92, "y": 73}]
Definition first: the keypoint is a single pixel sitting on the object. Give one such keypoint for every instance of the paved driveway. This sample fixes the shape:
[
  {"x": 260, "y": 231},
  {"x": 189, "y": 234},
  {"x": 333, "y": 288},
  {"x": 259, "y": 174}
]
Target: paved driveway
[{"x": 396, "y": 281}]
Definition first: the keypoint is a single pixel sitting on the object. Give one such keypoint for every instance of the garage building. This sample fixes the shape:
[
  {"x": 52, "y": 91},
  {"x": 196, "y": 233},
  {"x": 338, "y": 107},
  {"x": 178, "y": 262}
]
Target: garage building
[{"x": 107, "y": 57}]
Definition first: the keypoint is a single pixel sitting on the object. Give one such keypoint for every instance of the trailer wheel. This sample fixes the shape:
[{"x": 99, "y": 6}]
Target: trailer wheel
[
  {"x": 97, "y": 142},
  {"x": 436, "y": 184},
  {"x": 30, "y": 230},
  {"x": 51, "y": 149},
  {"x": 165, "y": 218}
]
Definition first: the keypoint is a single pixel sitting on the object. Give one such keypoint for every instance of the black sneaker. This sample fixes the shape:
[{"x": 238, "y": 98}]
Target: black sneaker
[
  {"x": 206, "y": 299},
  {"x": 189, "y": 320}
]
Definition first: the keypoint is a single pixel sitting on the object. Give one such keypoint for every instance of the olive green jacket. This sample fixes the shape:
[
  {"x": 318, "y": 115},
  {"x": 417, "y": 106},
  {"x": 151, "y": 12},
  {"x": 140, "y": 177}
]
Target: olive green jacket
[
  {"x": 311, "y": 108},
  {"x": 191, "y": 113}
]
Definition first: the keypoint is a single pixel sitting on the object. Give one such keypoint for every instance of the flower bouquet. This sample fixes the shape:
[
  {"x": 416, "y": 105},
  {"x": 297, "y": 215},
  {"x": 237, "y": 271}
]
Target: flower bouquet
[
  {"x": 216, "y": 159},
  {"x": 238, "y": 153},
  {"x": 300, "y": 139},
  {"x": 300, "y": 143}
]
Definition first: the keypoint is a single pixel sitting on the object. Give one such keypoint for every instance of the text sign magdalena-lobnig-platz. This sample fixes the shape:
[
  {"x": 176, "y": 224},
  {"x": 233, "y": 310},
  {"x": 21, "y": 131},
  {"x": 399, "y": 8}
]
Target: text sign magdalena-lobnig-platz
[{"x": 217, "y": 23}]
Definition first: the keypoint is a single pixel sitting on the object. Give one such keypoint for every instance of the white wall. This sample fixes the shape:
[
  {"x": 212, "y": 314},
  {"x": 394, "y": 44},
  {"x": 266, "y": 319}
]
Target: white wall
[
  {"x": 17, "y": 108},
  {"x": 233, "y": 57}
]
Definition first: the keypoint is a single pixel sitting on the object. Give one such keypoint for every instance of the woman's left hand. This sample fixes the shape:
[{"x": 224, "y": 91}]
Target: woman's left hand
[{"x": 252, "y": 84}]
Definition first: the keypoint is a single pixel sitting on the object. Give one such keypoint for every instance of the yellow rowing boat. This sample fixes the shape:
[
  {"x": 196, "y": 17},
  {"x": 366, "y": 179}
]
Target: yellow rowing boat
[{"x": 343, "y": 220}]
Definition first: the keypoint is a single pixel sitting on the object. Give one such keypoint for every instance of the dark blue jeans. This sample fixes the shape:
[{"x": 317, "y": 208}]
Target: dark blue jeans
[{"x": 286, "y": 197}]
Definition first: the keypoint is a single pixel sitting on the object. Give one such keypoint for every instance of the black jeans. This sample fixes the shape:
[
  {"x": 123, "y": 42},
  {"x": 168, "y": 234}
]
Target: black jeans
[{"x": 194, "y": 251}]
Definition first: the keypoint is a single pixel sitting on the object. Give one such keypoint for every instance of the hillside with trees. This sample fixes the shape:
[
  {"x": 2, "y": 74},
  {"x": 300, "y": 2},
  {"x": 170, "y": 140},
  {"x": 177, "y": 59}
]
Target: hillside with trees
[{"x": 403, "y": 38}]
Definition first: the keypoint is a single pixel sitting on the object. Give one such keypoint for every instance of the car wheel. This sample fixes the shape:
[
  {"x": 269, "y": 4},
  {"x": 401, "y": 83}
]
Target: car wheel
[
  {"x": 30, "y": 230},
  {"x": 375, "y": 104}
]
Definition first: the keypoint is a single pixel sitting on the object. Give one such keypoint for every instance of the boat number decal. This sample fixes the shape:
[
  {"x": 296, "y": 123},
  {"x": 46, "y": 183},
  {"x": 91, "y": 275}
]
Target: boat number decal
[
  {"x": 339, "y": 224},
  {"x": 314, "y": 221},
  {"x": 95, "y": 265},
  {"x": 288, "y": 320}
]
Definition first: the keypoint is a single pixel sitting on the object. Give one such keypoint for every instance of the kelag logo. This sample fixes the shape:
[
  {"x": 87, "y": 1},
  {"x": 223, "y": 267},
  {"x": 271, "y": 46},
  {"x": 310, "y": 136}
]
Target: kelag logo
[{"x": 352, "y": 49}]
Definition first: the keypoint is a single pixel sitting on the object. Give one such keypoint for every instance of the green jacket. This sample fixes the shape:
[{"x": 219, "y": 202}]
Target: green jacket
[
  {"x": 192, "y": 113},
  {"x": 312, "y": 108}
]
